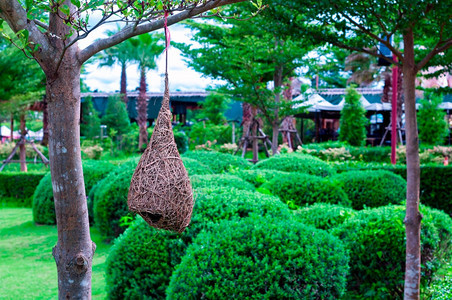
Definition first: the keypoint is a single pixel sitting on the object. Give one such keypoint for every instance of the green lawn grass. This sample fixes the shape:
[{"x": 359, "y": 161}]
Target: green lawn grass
[{"x": 27, "y": 267}]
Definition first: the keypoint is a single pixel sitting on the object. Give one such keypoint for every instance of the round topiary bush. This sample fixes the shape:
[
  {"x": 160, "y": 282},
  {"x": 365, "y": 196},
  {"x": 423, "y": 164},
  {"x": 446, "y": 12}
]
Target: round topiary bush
[
  {"x": 261, "y": 258},
  {"x": 259, "y": 176},
  {"x": 145, "y": 271},
  {"x": 218, "y": 162},
  {"x": 375, "y": 239},
  {"x": 200, "y": 181},
  {"x": 110, "y": 201},
  {"x": 295, "y": 162},
  {"x": 372, "y": 188},
  {"x": 323, "y": 215},
  {"x": 141, "y": 261},
  {"x": 195, "y": 167},
  {"x": 43, "y": 202},
  {"x": 298, "y": 189}
]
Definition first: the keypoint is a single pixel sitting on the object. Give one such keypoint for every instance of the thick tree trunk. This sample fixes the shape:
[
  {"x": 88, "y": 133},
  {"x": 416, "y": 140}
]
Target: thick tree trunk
[
  {"x": 22, "y": 150},
  {"x": 142, "y": 111},
  {"x": 74, "y": 250},
  {"x": 123, "y": 90},
  {"x": 413, "y": 216}
]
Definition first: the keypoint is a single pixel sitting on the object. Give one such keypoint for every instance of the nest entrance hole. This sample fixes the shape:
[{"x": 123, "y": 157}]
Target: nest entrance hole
[{"x": 154, "y": 218}]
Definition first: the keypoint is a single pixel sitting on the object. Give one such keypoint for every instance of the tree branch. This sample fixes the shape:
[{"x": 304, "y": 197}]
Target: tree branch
[
  {"x": 446, "y": 45},
  {"x": 131, "y": 31},
  {"x": 16, "y": 17}
]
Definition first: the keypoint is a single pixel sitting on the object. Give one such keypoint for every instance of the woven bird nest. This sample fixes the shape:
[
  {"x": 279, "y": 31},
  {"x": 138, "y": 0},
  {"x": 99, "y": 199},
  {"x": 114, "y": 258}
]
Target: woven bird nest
[{"x": 160, "y": 189}]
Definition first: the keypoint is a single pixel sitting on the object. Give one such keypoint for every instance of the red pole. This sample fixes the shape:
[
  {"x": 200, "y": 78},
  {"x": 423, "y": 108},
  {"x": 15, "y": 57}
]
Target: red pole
[{"x": 394, "y": 112}]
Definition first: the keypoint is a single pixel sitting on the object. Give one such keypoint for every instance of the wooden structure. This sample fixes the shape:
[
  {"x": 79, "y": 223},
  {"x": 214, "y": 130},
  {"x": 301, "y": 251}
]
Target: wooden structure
[{"x": 252, "y": 137}]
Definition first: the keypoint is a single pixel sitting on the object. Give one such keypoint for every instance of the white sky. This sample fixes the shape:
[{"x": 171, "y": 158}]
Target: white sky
[{"x": 181, "y": 77}]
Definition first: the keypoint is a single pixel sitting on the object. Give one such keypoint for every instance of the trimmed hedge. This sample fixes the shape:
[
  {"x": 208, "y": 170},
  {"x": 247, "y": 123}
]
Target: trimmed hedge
[
  {"x": 375, "y": 239},
  {"x": 209, "y": 181},
  {"x": 294, "y": 162},
  {"x": 218, "y": 162},
  {"x": 372, "y": 188},
  {"x": 298, "y": 189},
  {"x": 110, "y": 201},
  {"x": 261, "y": 258},
  {"x": 323, "y": 215},
  {"x": 258, "y": 177},
  {"x": 195, "y": 167},
  {"x": 145, "y": 271},
  {"x": 436, "y": 181},
  {"x": 43, "y": 202},
  {"x": 20, "y": 186}
]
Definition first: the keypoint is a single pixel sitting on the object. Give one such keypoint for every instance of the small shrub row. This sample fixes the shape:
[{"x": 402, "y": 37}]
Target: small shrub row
[
  {"x": 258, "y": 177},
  {"x": 436, "y": 181},
  {"x": 218, "y": 162},
  {"x": 295, "y": 162},
  {"x": 20, "y": 186},
  {"x": 209, "y": 181},
  {"x": 195, "y": 167},
  {"x": 297, "y": 189}
]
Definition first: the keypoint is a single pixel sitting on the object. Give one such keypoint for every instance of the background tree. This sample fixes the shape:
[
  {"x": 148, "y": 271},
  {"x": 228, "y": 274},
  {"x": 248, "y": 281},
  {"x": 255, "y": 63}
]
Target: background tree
[
  {"x": 425, "y": 29},
  {"x": 146, "y": 48},
  {"x": 353, "y": 119},
  {"x": 21, "y": 85},
  {"x": 116, "y": 116},
  {"x": 433, "y": 127},
  {"x": 121, "y": 54},
  {"x": 54, "y": 46},
  {"x": 213, "y": 108},
  {"x": 90, "y": 125},
  {"x": 258, "y": 57}
]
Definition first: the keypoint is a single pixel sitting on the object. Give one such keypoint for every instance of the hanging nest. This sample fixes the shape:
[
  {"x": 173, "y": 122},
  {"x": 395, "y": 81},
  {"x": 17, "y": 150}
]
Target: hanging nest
[{"x": 160, "y": 189}]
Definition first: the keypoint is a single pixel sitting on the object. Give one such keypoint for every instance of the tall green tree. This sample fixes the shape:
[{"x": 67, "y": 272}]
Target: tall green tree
[
  {"x": 53, "y": 43},
  {"x": 425, "y": 28},
  {"x": 116, "y": 116},
  {"x": 213, "y": 108},
  {"x": 146, "y": 48},
  {"x": 353, "y": 119},
  {"x": 433, "y": 127},
  {"x": 255, "y": 53}
]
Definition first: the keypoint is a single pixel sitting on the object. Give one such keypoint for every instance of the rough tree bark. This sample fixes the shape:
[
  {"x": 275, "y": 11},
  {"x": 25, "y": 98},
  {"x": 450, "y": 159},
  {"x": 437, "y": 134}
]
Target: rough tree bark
[
  {"x": 413, "y": 216},
  {"x": 277, "y": 79},
  {"x": 142, "y": 111}
]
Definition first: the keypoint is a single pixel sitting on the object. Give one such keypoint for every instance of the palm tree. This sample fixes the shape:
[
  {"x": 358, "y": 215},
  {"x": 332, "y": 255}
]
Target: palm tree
[
  {"x": 146, "y": 49},
  {"x": 121, "y": 54}
]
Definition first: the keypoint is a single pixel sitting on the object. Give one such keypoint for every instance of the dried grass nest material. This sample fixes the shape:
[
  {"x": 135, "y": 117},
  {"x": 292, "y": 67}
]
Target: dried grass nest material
[{"x": 160, "y": 190}]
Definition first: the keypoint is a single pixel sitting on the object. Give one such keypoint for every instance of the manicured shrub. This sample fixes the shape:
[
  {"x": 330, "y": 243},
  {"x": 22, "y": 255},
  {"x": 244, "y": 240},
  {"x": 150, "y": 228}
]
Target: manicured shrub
[
  {"x": 110, "y": 201},
  {"x": 141, "y": 262},
  {"x": 218, "y": 162},
  {"x": 259, "y": 176},
  {"x": 20, "y": 186},
  {"x": 371, "y": 154},
  {"x": 195, "y": 167},
  {"x": 261, "y": 258},
  {"x": 353, "y": 119},
  {"x": 43, "y": 202},
  {"x": 323, "y": 215},
  {"x": 375, "y": 239},
  {"x": 200, "y": 181},
  {"x": 297, "y": 189},
  {"x": 372, "y": 188},
  {"x": 296, "y": 163},
  {"x": 435, "y": 181},
  {"x": 136, "y": 268}
]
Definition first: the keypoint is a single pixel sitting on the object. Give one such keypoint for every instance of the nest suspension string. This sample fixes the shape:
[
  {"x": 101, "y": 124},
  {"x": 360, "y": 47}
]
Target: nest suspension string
[{"x": 160, "y": 190}]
